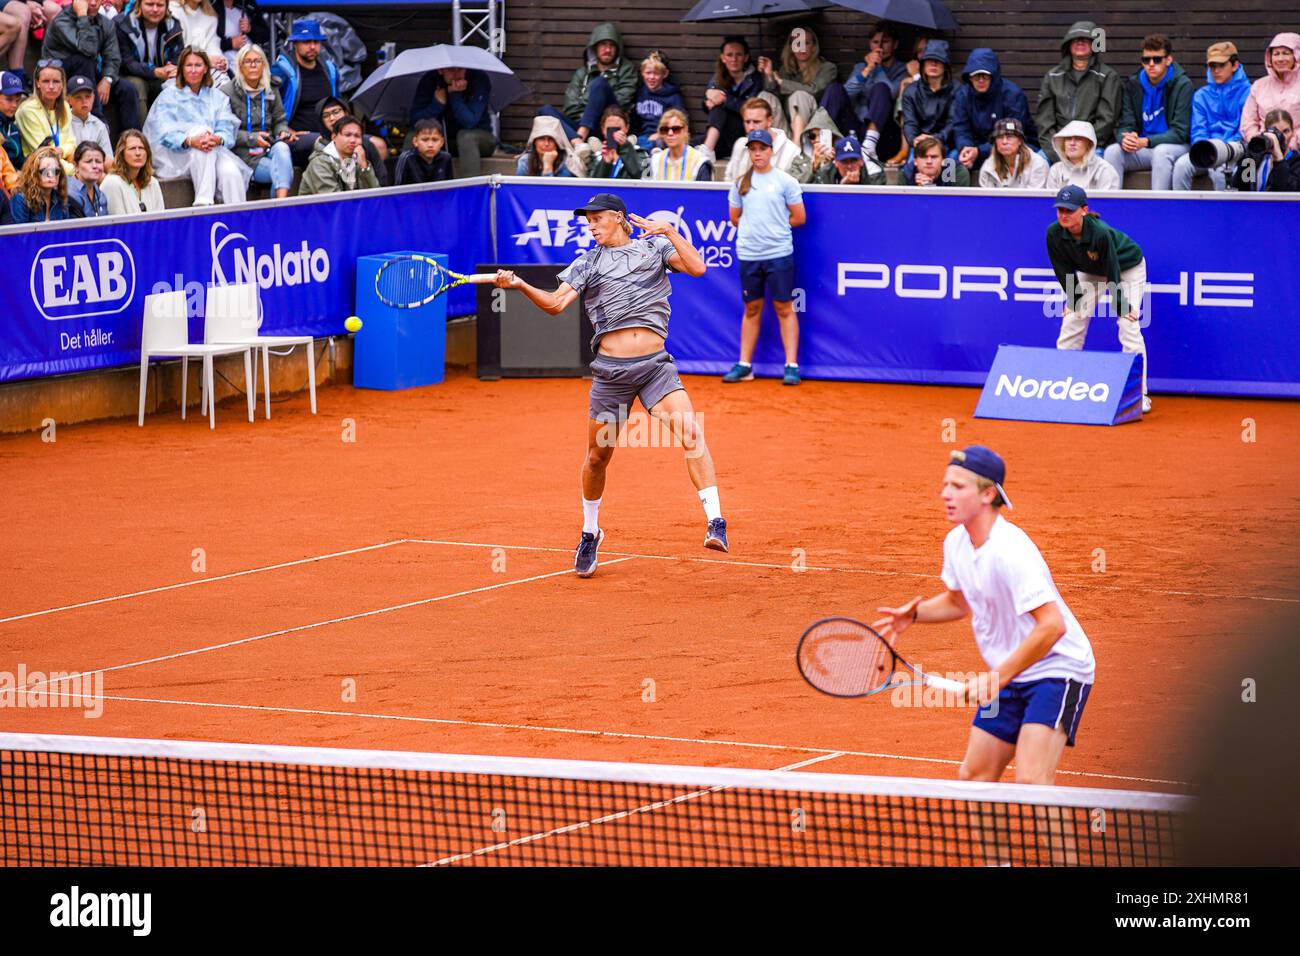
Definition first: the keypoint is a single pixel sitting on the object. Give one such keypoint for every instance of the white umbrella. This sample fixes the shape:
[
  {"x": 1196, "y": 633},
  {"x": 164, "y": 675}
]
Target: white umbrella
[{"x": 388, "y": 93}]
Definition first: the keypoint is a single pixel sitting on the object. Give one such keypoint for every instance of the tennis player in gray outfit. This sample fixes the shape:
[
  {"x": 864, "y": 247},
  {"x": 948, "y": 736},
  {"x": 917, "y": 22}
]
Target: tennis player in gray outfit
[{"x": 624, "y": 287}]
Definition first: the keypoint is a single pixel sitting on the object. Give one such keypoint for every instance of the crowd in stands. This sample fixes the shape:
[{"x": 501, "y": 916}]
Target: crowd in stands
[{"x": 127, "y": 91}]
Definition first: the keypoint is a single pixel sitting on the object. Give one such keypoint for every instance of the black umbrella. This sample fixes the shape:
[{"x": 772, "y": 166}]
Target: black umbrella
[
  {"x": 739, "y": 9},
  {"x": 921, "y": 13},
  {"x": 387, "y": 93}
]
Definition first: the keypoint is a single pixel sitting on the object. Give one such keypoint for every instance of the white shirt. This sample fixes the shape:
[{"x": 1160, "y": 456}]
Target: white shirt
[
  {"x": 1002, "y": 581},
  {"x": 197, "y": 28}
]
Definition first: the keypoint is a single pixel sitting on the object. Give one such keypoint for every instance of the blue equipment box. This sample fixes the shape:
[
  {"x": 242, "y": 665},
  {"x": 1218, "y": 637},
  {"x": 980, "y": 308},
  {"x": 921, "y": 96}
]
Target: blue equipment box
[{"x": 397, "y": 348}]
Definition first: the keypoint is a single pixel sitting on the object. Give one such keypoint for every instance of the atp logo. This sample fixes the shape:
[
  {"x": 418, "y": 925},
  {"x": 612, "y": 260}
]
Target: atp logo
[
  {"x": 74, "y": 280},
  {"x": 555, "y": 228}
]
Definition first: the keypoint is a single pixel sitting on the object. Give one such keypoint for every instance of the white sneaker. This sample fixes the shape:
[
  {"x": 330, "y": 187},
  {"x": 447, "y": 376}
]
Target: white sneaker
[{"x": 1146, "y": 405}]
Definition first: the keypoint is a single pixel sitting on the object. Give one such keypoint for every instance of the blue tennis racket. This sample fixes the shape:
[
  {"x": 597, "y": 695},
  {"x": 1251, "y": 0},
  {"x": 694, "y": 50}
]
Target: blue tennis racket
[{"x": 408, "y": 282}]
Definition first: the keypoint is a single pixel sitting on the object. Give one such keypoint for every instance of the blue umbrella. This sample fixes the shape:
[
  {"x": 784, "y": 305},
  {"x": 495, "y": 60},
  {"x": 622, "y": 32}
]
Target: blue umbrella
[
  {"x": 921, "y": 13},
  {"x": 387, "y": 94},
  {"x": 738, "y": 9}
]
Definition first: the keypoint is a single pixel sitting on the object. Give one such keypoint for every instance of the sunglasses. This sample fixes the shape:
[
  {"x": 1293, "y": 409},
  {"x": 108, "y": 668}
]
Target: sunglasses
[
  {"x": 671, "y": 129},
  {"x": 48, "y": 171},
  {"x": 1151, "y": 60},
  {"x": 42, "y": 64}
]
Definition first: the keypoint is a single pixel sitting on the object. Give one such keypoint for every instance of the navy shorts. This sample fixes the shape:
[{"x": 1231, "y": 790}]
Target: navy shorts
[
  {"x": 1054, "y": 701},
  {"x": 773, "y": 278}
]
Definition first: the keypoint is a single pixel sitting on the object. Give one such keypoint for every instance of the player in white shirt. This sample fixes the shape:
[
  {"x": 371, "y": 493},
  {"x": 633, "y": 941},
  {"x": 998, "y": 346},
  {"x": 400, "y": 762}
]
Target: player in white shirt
[{"x": 1040, "y": 663}]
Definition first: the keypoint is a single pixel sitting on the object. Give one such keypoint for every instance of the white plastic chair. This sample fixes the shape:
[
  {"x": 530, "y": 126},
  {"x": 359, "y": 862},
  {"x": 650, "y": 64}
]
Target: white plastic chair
[
  {"x": 166, "y": 334},
  {"x": 234, "y": 314}
]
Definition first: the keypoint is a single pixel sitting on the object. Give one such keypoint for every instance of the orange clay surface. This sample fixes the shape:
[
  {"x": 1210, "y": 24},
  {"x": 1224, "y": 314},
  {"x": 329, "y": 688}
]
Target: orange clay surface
[{"x": 459, "y": 619}]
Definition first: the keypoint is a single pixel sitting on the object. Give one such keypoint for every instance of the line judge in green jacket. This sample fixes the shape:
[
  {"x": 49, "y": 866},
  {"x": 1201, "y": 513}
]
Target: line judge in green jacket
[
  {"x": 1089, "y": 259},
  {"x": 1155, "y": 118}
]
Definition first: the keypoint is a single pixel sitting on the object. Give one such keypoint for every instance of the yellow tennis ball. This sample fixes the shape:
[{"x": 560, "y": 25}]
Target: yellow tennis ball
[{"x": 353, "y": 324}]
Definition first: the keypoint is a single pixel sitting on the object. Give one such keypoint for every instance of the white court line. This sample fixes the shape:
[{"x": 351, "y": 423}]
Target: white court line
[
  {"x": 541, "y": 728},
  {"x": 190, "y": 584},
  {"x": 308, "y": 627},
  {"x": 621, "y": 815},
  {"x": 873, "y": 571}
]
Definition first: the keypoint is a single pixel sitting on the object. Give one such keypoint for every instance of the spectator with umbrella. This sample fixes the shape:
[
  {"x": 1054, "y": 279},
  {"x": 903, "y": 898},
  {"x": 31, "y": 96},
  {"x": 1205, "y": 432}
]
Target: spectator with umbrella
[
  {"x": 460, "y": 86},
  {"x": 459, "y": 99},
  {"x": 735, "y": 82},
  {"x": 866, "y": 100}
]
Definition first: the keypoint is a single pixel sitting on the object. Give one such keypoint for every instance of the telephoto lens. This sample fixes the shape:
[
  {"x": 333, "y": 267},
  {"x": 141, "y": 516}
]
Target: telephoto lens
[{"x": 1213, "y": 153}]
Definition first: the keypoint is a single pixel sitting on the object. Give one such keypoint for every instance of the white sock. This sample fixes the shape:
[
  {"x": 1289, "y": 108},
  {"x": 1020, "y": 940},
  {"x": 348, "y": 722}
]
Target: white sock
[
  {"x": 745, "y": 364},
  {"x": 590, "y": 511},
  {"x": 709, "y": 498},
  {"x": 873, "y": 137},
  {"x": 792, "y": 365}
]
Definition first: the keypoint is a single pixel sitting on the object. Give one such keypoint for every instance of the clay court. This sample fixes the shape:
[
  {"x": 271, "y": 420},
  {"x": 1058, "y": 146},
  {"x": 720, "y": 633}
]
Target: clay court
[{"x": 430, "y": 562}]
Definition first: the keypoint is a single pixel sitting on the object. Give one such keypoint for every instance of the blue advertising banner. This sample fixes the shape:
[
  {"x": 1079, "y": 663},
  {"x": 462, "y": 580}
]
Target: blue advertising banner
[
  {"x": 73, "y": 297},
  {"x": 1062, "y": 385},
  {"x": 892, "y": 284},
  {"x": 916, "y": 286}
]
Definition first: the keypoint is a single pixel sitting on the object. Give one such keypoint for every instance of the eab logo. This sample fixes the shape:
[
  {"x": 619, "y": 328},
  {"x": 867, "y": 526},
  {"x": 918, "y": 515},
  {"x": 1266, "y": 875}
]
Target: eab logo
[
  {"x": 1060, "y": 390},
  {"x": 72, "y": 280}
]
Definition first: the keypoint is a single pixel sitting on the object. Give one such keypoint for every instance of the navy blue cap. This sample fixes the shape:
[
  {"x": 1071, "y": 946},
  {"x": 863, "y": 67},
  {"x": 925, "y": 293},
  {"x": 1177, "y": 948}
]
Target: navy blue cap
[
  {"x": 80, "y": 84},
  {"x": 758, "y": 136},
  {"x": 936, "y": 50},
  {"x": 11, "y": 84},
  {"x": 1071, "y": 198},
  {"x": 984, "y": 462},
  {"x": 848, "y": 148},
  {"x": 602, "y": 202}
]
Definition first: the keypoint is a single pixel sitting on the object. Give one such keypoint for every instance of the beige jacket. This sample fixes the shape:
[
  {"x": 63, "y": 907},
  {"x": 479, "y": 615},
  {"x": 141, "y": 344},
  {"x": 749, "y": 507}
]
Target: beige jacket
[{"x": 1094, "y": 173}]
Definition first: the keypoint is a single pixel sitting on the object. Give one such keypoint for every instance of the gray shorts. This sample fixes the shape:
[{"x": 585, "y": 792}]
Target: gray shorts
[{"x": 615, "y": 382}]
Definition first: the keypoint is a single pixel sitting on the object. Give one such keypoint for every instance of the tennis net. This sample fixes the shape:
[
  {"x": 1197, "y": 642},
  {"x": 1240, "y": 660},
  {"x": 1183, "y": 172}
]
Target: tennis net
[{"x": 99, "y": 801}]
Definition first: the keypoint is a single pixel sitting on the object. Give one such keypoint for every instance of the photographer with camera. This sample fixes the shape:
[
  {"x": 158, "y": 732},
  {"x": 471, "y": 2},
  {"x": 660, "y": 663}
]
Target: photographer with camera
[
  {"x": 1216, "y": 119},
  {"x": 1270, "y": 164},
  {"x": 1277, "y": 89}
]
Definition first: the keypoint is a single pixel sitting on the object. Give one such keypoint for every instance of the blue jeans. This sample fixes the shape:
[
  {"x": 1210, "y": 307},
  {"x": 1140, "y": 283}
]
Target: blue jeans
[{"x": 275, "y": 167}]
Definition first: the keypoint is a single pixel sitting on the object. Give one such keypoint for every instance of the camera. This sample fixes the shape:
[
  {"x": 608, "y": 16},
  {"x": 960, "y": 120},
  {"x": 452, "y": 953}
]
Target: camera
[
  {"x": 1213, "y": 153},
  {"x": 1260, "y": 143}
]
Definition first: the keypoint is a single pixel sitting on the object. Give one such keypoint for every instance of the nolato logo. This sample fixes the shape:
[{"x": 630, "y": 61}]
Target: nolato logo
[
  {"x": 1060, "y": 390},
  {"x": 279, "y": 267},
  {"x": 73, "y": 280}
]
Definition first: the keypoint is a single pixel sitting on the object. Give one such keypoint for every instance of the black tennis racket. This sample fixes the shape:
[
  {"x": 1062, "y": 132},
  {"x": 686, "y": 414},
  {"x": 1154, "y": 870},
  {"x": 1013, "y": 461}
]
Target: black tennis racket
[
  {"x": 408, "y": 282},
  {"x": 844, "y": 658}
]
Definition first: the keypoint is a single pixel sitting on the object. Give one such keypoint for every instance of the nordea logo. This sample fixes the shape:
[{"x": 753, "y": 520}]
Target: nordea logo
[
  {"x": 72, "y": 280},
  {"x": 1065, "y": 389}
]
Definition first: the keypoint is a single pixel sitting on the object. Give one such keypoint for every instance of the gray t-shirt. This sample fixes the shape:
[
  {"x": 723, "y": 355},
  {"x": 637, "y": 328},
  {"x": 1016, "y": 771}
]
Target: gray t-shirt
[{"x": 624, "y": 287}]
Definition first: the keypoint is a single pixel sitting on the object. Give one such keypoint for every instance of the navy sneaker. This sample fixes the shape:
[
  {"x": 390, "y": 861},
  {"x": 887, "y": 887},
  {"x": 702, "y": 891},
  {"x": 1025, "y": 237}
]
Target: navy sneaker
[
  {"x": 739, "y": 373},
  {"x": 716, "y": 538},
  {"x": 791, "y": 375},
  {"x": 585, "y": 562}
]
